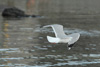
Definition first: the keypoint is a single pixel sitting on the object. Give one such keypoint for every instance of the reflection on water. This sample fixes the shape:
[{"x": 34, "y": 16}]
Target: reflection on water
[{"x": 23, "y": 42}]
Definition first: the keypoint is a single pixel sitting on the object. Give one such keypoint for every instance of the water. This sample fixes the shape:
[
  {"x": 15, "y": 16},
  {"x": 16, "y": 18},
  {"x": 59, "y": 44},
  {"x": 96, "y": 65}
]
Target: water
[{"x": 23, "y": 41}]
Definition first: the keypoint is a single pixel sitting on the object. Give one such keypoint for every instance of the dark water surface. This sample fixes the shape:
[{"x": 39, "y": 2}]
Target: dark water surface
[{"x": 23, "y": 42}]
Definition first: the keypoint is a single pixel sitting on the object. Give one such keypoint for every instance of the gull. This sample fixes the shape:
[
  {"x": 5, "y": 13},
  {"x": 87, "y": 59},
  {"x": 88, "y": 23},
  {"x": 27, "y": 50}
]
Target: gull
[{"x": 61, "y": 37}]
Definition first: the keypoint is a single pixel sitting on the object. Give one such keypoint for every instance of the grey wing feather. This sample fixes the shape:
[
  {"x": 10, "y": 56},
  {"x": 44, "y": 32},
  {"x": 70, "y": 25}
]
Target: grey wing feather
[
  {"x": 58, "y": 30},
  {"x": 75, "y": 37}
]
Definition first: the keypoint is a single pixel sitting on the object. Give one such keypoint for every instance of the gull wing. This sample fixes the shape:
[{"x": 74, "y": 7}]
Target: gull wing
[
  {"x": 58, "y": 30},
  {"x": 75, "y": 37},
  {"x": 53, "y": 39}
]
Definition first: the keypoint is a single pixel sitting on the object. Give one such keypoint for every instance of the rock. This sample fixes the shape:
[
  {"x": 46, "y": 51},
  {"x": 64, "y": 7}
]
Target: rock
[{"x": 15, "y": 13}]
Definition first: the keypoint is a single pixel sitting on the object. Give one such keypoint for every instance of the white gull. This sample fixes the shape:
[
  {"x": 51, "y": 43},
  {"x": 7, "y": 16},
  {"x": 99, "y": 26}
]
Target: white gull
[{"x": 61, "y": 37}]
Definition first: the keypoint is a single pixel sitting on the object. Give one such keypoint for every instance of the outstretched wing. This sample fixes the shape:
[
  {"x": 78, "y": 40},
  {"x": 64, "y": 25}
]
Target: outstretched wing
[
  {"x": 58, "y": 30},
  {"x": 75, "y": 37}
]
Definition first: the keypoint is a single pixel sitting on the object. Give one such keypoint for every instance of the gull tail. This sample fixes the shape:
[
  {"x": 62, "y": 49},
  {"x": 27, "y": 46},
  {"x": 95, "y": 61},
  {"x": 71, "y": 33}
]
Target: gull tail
[{"x": 53, "y": 39}]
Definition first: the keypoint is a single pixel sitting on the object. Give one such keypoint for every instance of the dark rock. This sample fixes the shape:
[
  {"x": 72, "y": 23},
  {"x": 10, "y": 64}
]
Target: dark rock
[{"x": 15, "y": 13}]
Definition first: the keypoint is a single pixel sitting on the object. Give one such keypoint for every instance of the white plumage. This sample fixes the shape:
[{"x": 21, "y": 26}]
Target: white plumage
[{"x": 61, "y": 37}]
